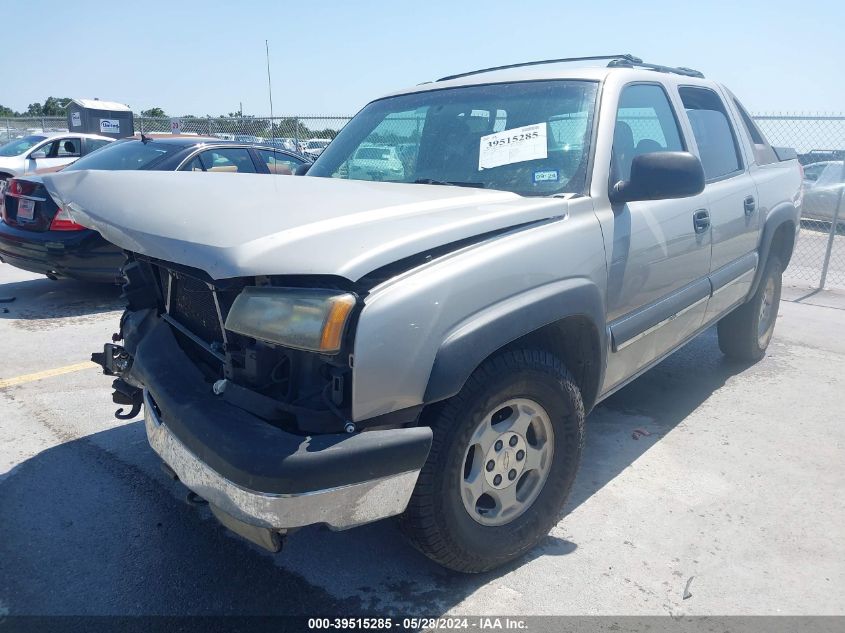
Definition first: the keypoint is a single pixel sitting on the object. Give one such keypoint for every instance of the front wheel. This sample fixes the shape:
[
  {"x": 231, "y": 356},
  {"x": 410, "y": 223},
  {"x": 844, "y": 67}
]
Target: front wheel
[
  {"x": 745, "y": 333},
  {"x": 504, "y": 457}
]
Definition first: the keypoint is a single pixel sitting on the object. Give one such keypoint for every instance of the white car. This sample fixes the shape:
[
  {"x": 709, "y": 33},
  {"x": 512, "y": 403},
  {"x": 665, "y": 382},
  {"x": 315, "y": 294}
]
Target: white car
[
  {"x": 823, "y": 183},
  {"x": 25, "y": 155},
  {"x": 314, "y": 147},
  {"x": 376, "y": 163}
]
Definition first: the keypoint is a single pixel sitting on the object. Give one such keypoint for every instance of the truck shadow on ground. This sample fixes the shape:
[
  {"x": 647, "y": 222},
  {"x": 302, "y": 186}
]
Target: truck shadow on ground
[
  {"x": 93, "y": 526},
  {"x": 44, "y": 299}
]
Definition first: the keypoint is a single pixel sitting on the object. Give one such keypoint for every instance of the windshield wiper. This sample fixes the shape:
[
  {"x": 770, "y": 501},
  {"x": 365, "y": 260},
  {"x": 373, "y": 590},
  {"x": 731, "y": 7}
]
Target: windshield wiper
[{"x": 431, "y": 181}]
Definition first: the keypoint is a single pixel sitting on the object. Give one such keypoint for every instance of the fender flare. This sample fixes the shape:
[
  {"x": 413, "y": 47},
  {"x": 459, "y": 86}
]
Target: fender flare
[
  {"x": 467, "y": 345},
  {"x": 780, "y": 215}
]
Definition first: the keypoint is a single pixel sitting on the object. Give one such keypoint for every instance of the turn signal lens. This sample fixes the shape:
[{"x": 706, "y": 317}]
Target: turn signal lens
[{"x": 336, "y": 322}]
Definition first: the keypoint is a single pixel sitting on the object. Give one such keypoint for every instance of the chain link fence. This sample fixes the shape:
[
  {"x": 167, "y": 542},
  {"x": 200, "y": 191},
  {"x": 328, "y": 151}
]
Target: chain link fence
[
  {"x": 300, "y": 129},
  {"x": 819, "y": 257}
]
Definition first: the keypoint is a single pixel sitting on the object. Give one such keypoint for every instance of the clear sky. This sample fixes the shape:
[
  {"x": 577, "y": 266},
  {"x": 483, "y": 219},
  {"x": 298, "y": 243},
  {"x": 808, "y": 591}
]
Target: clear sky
[{"x": 331, "y": 57}]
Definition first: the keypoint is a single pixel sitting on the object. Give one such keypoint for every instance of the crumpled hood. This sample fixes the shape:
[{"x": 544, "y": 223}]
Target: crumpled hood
[{"x": 234, "y": 225}]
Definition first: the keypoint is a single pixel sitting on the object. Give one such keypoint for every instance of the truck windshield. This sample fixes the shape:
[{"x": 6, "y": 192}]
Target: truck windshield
[{"x": 531, "y": 138}]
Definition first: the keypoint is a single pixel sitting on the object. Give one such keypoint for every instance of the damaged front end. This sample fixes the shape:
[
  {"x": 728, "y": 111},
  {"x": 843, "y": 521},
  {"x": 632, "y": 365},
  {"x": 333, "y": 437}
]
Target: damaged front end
[{"x": 262, "y": 431}]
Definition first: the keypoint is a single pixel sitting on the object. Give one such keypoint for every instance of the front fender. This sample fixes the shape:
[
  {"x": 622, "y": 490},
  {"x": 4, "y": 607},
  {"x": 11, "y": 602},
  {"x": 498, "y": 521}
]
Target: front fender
[
  {"x": 479, "y": 336},
  {"x": 421, "y": 333}
]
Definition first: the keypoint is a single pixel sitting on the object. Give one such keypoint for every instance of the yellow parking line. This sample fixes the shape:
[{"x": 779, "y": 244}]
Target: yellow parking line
[{"x": 47, "y": 373}]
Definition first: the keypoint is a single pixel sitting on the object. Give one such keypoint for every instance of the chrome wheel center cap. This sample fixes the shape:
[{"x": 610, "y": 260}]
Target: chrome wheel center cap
[{"x": 505, "y": 460}]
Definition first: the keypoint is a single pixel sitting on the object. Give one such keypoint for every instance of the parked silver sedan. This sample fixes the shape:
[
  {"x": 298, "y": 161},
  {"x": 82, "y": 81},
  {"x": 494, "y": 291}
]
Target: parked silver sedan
[
  {"x": 823, "y": 184},
  {"x": 27, "y": 154}
]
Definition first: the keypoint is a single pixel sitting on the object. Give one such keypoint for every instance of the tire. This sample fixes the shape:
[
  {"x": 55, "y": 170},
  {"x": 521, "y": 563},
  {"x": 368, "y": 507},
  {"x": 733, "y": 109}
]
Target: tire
[
  {"x": 745, "y": 333},
  {"x": 441, "y": 519}
]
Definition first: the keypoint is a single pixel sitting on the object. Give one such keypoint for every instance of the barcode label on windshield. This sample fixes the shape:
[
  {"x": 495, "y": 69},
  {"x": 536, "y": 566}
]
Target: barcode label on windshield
[{"x": 512, "y": 146}]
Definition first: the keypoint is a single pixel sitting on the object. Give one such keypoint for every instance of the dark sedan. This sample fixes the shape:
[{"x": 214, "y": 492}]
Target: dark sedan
[{"x": 37, "y": 236}]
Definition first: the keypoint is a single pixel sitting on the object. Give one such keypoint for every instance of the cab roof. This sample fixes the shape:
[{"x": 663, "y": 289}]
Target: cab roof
[{"x": 596, "y": 68}]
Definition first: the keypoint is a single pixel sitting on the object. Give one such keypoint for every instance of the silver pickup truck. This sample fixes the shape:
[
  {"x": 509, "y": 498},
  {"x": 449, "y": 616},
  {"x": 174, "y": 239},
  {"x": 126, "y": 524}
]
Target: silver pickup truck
[{"x": 373, "y": 339}]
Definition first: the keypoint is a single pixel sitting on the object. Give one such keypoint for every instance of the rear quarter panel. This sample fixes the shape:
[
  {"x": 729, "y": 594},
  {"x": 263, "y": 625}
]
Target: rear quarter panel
[{"x": 778, "y": 185}]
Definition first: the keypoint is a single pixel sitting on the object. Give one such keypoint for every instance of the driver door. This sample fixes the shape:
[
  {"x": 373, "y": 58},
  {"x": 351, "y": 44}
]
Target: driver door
[
  {"x": 55, "y": 153},
  {"x": 657, "y": 278}
]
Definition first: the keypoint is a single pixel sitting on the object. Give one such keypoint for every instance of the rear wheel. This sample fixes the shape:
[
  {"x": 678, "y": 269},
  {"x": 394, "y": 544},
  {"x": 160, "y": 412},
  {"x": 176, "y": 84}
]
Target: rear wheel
[
  {"x": 504, "y": 458},
  {"x": 745, "y": 333}
]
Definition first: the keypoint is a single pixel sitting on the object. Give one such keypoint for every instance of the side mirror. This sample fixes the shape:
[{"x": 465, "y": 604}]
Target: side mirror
[
  {"x": 301, "y": 170},
  {"x": 37, "y": 155},
  {"x": 660, "y": 175}
]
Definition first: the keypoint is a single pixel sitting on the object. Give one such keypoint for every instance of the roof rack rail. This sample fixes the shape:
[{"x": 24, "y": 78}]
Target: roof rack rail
[
  {"x": 625, "y": 60},
  {"x": 630, "y": 59},
  {"x": 638, "y": 63}
]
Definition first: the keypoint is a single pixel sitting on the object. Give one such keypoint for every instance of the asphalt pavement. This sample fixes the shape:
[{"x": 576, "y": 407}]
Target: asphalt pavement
[{"x": 706, "y": 479}]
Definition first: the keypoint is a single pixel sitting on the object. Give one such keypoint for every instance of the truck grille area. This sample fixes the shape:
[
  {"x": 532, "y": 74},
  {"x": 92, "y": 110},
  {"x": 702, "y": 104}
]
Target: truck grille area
[
  {"x": 192, "y": 305},
  {"x": 298, "y": 391}
]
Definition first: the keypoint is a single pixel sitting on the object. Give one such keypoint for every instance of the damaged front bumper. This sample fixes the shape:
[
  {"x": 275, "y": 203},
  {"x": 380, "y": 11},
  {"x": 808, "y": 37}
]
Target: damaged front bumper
[
  {"x": 340, "y": 507},
  {"x": 261, "y": 480}
]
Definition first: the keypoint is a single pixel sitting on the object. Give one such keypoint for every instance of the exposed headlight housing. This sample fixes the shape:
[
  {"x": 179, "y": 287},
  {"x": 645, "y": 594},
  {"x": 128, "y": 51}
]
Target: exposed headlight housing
[{"x": 311, "y": 319}]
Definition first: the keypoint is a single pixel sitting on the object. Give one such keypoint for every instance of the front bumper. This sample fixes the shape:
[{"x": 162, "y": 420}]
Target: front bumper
[
  {"x": 340, "y": 507},
  {"x": 261, "y": 475}
]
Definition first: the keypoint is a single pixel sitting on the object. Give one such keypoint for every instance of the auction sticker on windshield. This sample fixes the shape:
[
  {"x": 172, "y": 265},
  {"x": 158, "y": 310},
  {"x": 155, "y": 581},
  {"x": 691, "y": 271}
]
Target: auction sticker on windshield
[{"x": 512, "y": 146}]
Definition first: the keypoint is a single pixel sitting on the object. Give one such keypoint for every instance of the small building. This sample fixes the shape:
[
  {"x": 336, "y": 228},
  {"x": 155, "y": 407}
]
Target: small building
[{"x": 92, "y": 116}]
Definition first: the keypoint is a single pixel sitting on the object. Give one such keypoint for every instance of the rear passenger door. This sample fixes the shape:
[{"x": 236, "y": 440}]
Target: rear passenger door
[
  {"x": 61, "y": 151},
  {"x": 731, "y": 195}
]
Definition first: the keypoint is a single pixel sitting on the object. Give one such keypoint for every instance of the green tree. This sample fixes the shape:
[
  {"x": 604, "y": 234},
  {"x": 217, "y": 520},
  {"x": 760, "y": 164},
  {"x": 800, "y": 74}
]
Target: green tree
[
  {"x": 55, "y": 106},
  {"x": 4, "y": 111},
  {"x": 153, "y": 112}
]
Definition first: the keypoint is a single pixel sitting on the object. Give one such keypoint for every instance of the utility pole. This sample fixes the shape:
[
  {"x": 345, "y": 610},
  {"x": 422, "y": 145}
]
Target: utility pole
[{"x": 270, "y": 90}]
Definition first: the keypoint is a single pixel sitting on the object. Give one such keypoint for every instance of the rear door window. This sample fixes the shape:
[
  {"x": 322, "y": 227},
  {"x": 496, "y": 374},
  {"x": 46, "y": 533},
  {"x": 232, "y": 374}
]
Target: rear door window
[
  {"x": 717, "y": 144},
  {"x": 229, "y": 159},
  {"x": 194, "y": 165},
  {"x": 645, "y": 123},
  {"x": 278, "y": 162}
]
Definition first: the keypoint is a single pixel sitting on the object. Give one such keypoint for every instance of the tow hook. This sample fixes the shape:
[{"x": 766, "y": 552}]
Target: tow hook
[
  {"x": 126, "y": 394},
  {"x": 116, "y": 361}
]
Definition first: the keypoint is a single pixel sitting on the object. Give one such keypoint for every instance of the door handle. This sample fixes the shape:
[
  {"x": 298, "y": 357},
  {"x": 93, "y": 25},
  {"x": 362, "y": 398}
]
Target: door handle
[
  {"x": 749, "y": 205},
  {"x": 701, "y": 220}
]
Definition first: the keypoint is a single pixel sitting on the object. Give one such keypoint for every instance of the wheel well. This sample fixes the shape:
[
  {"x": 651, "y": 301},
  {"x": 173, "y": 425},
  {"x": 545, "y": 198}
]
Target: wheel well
[
  {"x": 783, "y": 241},
  {"x": 575, "y": 340}
]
